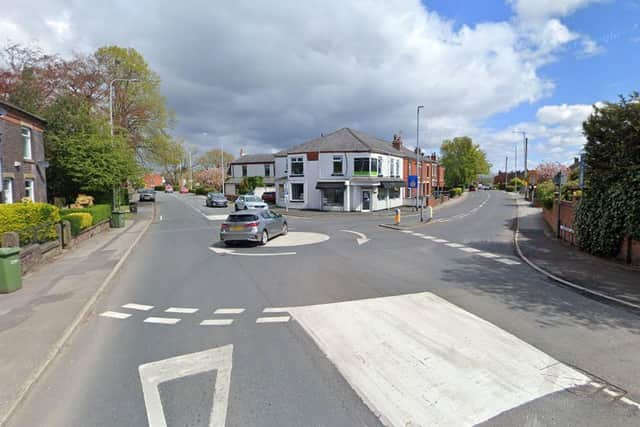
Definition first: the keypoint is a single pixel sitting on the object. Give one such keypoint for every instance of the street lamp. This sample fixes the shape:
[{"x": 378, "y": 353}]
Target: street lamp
[
  {"x": 111, "y": 119},
  {"x": 418, "y": 166},
  {"x": 526, "y": 143}
]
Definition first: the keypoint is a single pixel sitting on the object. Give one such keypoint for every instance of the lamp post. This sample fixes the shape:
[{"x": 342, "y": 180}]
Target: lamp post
[
  {"x": 526, "y": 149},
  {"x": 224, "y": 172},
  {"x": 111, "y": 120},
  {"x": 418, "y": 166}
]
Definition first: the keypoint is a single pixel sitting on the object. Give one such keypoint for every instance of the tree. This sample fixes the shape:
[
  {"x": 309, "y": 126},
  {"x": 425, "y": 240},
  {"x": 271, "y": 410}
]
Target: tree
[
  {"x": 209, "y": 178},
  {"x": 249, "y": 183},
  {"x": 211, "y": 159},
  {"x": 610, "y": 206},
  {"x": 547, "y": 171},
  {"x": 463, "y": 161},
  {"x": 169, "y": 155}
]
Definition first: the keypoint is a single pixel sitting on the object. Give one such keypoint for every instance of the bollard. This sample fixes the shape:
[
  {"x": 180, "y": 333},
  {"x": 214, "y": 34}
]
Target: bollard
[
  {"x": 397, "y": 216},
  {"x": 429, "y": 213}
]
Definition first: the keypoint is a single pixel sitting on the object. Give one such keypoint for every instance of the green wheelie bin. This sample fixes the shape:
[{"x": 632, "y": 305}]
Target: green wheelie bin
[{"x": 10, "y": 271}]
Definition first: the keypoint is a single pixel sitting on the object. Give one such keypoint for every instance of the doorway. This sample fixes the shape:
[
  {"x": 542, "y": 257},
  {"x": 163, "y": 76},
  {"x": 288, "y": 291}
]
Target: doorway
[{"x": 366, "y": 200}]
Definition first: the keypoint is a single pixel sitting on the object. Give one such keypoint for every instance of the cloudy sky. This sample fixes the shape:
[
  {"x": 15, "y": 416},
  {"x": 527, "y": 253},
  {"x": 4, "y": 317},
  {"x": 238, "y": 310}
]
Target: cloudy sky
[{"x": 262, "y": 75}]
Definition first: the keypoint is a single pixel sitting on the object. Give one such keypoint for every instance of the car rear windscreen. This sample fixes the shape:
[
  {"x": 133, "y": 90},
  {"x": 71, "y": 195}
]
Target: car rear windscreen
[{"x": 242, "y": 218}]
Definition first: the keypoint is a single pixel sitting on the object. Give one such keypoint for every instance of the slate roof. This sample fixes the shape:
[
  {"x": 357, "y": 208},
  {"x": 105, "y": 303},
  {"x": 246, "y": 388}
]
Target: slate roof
[
  {"x": 254, "y": 158},
  {"x": 347, "y": 140}
]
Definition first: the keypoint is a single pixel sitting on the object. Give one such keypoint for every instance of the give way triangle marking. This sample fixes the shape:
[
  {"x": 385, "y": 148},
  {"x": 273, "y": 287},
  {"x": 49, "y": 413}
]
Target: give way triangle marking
[{"x": 154, "y": 373}]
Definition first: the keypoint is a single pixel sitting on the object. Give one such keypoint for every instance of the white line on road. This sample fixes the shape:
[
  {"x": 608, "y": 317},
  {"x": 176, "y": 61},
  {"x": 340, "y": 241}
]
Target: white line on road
[
  {"x": 507, "y": 261},
  {"x": 216, "y": 217},
  {"x": 630, "y": 402},
  {"x": 440, "y": 241},
  {"x": 229, "y": 311},
  {"x": 274, "y": 319},
  {"x": 470, "y": 250},
  {"x": 276, "y": 310},
  {"x": 182, "y": 310},
  {"x": 454, "y": 245},
  {"x": 488, "y": 255},
  {"x": 362, "y": 239},
  {"x": 428, "y": 237},
  {"x": 216, "y": 322},
  {"x": 115, "y": 314},
  {"x": 406, "y": 231},
  {"x": 162, "y": 320},
  {"x": 153, "y": 374},
  {"x": 233, "y": 252},
  {"x": 140, "y": 307},
  {"x": 612, "y": 393}
]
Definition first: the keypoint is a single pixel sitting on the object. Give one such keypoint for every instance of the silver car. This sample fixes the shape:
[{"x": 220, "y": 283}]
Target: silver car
[
  {"x": 252, "y": 225},
  {"x": 249, "y": 201}
]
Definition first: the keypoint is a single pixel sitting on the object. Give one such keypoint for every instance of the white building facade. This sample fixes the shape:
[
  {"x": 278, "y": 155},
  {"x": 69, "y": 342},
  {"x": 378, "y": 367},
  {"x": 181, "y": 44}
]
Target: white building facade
[{"x": 251, "y": 165}]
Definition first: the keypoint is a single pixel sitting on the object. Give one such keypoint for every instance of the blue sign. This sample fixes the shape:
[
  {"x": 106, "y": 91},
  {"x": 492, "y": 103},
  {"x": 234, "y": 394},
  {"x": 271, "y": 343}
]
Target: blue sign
[{"x": 413, "y": 181}]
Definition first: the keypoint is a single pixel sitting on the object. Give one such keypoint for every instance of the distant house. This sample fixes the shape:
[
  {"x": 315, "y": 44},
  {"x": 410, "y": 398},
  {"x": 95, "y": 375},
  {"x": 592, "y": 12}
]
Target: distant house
[
  {"x": 151, "y": 180},
  {"x": 249, "y": 165},
  {"x": 22, "y": 157}
]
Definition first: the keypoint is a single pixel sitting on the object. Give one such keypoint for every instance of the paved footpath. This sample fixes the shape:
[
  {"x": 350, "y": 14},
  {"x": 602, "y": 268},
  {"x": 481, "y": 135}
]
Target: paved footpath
[{"x": 34, "y": 319}]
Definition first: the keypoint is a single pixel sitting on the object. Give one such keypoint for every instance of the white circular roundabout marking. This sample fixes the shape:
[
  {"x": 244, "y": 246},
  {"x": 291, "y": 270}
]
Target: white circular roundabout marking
[{"x": 296, "y": 238}]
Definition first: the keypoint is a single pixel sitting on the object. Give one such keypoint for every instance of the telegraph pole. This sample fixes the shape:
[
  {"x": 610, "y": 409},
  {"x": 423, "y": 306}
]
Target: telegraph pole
[{"x": 418, "y": 163}]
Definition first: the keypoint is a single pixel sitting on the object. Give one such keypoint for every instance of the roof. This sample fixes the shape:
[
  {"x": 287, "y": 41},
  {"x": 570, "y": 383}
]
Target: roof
[
  {"x": 20, "y": 110},
  {"x": 348, "y": 140},
  {"x": 254, "y": 158}
]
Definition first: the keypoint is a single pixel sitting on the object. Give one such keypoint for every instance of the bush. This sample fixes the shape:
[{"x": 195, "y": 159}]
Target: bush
[
  {"x": 34, "y": 222},
  {"x": 79, "y": 221},
  {"x": 99, "y": 213},
  {"x": 203, "y": 191},
  {"x": 509, "y": 188},
  {"x": 545, "y": 193},
  {"x": 455, "y": 192},
  {"x": 159, "y": 188},
  {"x": 521, "y": 183}
]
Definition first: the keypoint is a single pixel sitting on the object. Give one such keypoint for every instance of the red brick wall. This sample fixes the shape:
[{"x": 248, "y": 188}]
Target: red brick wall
[{"x": 567, "y": 213}]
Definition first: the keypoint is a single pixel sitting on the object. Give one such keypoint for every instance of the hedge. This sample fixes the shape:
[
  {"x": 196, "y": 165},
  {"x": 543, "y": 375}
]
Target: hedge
[
  {"x": 34, "y": 222},
  {"x": 79, "y": 221},
  {"x": 545, "y": 193},
  {"x": 455, "y": 192},
  {"x": 99, "y": 213},
  {"x": 159, "y": 188}
]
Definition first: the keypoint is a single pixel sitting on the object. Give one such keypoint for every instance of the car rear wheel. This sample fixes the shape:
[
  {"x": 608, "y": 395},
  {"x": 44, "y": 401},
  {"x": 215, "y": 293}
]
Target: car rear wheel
[
  {"x": 285, "y": 229},
  {"x": 264, "y": 238}
]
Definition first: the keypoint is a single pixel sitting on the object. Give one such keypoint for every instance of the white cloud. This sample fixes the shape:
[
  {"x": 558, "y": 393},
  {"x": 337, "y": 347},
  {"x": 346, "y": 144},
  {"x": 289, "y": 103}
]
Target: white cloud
[
  {"x": 543, "y": 9},
  {"x": 568, "y": 115}
]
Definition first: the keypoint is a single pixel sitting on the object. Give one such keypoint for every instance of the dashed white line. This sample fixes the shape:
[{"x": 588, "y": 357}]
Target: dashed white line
[
  {"x": 630, "y": 402},
  {"x": 488, "y": 255},
  {"x": 406, "y": 231},
  {"x": 181, "y": 310},
  {"x": 115, "y": 314},
  {"x": 140, "y": 307},
  {"x": 162, "y": 320},
  {"x": 274, "y": 319},
  {"x": 440, "y": 241},
  {"x": 470, "y": 250},
  {"x": 229, "y": 311},
  {"x": 216, "y": 322},
  {"x": 612, "y": 393},
  {"x": 507, "y": 261},
  {"x": 454, "y": 245},
  {"x": 276, "y": 310},
  {"x": 428, "y": 237}
]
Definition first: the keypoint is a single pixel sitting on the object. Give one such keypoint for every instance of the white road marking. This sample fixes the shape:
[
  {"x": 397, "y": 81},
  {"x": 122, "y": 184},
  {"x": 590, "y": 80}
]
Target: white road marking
[
  {"x": 471, "y": 250},
  {"x": 420, "y": 360},
  {"x": 115, "y": 314},
  {"x": 153, "y": 374},
  {"x": 406, "y": 231},
  {"x": 182, "y": 310},
  {"x": 274, "y": 319},
  {"x": 488, "y": 255},
  {"x": 233, "y": 252},
  {"x": 595, "y": 384},
  {"x": 612, "y": 393},
  {"x": 440, "y": 241},
  {"x": 216, "y": 217},
  {"x": 507, "y": 261},
  {"x": 229, "y": 311},
  {"x": 276, "y": 310},
  {"x": 454, "y": 245},
  {"x": 140, "y": 307},
  {"x": 216, "y": 322},
  {"x": 428, "y": 237},
  {"x": 362, "y": 239},
  {"x": 162, "y": 320},
  {"x": 160, "y": 217},
  {"x": 297, "y": 238},
  {"x": 630, "y": 402}
]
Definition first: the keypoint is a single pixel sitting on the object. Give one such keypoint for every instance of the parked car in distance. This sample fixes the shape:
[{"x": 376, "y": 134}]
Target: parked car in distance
[
  {"x": 147, "y": 195},
  {"x": 184, "y": 190},
  {"x": 252, "y": 225},
  {"x": 248, "y": 201},
  {"x": 269, "y": 197},
  {"x": 472, "y": 187},
  {"x": 216, "y": 200},
  {"x": 168, "y": 189}
]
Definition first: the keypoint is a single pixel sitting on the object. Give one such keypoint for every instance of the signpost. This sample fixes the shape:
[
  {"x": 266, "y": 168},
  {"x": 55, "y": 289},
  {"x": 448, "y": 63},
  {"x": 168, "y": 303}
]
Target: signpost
[{"x": 413, "y": 181}]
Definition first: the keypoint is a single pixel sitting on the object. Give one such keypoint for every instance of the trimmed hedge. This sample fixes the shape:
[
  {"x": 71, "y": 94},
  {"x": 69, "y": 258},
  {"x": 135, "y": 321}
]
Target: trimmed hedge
[
  {"x": 99, "y": 213},
  {"x": 34, "y": 222},
  {"x": 545, "y": 193},
  {"x": 159, "y": 188},
  {"x": 79, "y": 221},
  {"x": 455, "y": 192}
]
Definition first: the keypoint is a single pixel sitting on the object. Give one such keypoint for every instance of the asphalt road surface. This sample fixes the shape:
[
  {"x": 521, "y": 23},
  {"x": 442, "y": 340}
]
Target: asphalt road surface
[{"x": 442, "y": 325}]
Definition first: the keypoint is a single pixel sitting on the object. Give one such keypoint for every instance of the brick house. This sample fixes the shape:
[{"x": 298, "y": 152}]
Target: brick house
[
  {"x": 431, "y": 173},
  {"x": 22, "y": 157}
]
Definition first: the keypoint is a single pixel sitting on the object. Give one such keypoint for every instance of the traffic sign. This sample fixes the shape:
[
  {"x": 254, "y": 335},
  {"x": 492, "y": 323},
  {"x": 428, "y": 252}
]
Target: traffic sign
[{"x": 413, "y": 181}]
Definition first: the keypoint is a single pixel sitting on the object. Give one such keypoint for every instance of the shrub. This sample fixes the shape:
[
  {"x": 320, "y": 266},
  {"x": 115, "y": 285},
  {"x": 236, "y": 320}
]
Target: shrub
[
  {"x": 34, "y": 222},
  {"x": 202, "y": 191},
  {"x": 455, "y": 192},
  {"x": 79, "y": 221},
  {"x": 545, "y": 193},
  {"x": 159, "y": 188},
  {"x": 99, "y": 213},
  {"x": 521, "y": 183},
  {"x": 509, "y": 188}
]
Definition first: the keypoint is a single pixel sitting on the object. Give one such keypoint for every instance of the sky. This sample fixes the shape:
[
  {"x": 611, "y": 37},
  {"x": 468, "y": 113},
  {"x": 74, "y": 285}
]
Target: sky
[{"x": 262, "y": 75}]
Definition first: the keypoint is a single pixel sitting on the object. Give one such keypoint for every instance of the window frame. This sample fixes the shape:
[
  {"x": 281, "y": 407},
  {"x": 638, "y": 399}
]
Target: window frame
[
  {"x": 298, "y": 160},
  {"x": 301, "y": 193},
  {"x": 7, "y": 189},
  {"x": 27, "y": 149},
  {"x": 337, "y": 160},
  {"x": 357, "y": 171},
  {"x": 244, "y": 170},
  {"x": 31, "y": 187},
  {"x": 267, "y": 169}
]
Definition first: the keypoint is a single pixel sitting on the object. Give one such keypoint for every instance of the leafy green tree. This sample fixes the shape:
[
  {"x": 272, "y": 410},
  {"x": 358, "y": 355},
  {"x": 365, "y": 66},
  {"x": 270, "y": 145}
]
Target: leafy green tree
[
  {"x": 249, "y": 183},
  {"x": 169, "y": 155},
  {"x": 610, "y": 206},
  {"x": 211, "y": 159},
  {"x": 463, "y": 161}
]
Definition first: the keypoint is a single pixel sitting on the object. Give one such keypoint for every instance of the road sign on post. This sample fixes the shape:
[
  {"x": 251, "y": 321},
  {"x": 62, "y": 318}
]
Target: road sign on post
[{"x": 413, "y": 181}]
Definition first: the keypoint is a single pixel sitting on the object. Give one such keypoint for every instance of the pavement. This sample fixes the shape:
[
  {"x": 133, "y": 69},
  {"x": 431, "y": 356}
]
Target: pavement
[
  {"x": 620, "y": 283},
  {"x": 33, "y": 319},
  {"x": 345, "y": 324}
]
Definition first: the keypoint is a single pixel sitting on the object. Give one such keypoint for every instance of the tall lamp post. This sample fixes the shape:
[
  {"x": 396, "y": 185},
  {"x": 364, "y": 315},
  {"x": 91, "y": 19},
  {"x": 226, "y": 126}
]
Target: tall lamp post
[
  {"x": 111, "y": 120},
  {"x": 526, "y": 143},
  {"x": 418, "y": 163}
]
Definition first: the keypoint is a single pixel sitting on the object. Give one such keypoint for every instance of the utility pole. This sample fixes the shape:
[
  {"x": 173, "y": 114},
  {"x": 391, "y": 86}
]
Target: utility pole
[
  {"x": 526, "y": 150},
  {"x": 224, "y": 172},
  {"x": 190, "y": 172},
  {"x": 506, "y": 174},
  {"x": 418, "y": 162},
  {"x": 516, "y": 168}
]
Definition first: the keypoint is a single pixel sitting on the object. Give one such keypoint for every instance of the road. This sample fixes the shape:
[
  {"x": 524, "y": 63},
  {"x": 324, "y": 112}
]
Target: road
[{"x": 442, "y": 325}]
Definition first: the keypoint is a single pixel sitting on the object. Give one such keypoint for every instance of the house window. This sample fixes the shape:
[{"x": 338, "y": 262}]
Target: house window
[
  {"x": 379, "y": 166},
  {"x": 361, "y": 166},
  {"x": 29, "y": 190},
  {"x": 333, "y": 197},
  {"x": 297, "y": 192},
  {"x": 397, "y": 168},
  {"x": 7, "y": 190},
  {"x": 337, "y": 165},
  {"x": 244, "y": 170},
  {"x": 26, "y": 140},
  {"x": 382, "y": 193},
  {"x": 394, "y": 192},
  {"x": 297, "y": 166},
  {"x": 281, "y": 191},
  {"x": 267, "y": 170}
]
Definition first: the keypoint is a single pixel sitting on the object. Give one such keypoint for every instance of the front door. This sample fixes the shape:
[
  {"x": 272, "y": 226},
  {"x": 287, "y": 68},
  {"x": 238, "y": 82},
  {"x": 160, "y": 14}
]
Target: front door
[{"x": 366, "y": 200}]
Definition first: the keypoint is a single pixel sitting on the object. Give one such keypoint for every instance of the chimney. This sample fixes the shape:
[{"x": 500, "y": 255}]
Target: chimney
[
  {"x": 433, "y": 156},
  {"x": 397, "y": 142},
  {"x": 241, "y": 152}
]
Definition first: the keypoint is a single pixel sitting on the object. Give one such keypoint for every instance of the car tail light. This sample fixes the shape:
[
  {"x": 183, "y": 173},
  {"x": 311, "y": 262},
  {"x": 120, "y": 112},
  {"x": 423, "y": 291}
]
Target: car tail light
[
  {"x": 224, "y": 226},
  {"x": 251, "y": 224}
]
